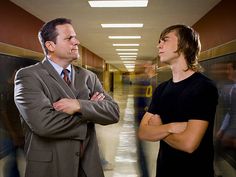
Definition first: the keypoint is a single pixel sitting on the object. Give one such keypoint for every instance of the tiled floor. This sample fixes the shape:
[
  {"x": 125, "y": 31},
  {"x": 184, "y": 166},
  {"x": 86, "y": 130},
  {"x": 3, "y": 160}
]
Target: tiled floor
[{"x": 118, "y": 141}]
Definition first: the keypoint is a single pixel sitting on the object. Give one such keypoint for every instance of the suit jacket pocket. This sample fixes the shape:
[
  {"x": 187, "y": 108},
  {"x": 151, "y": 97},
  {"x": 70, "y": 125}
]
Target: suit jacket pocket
[{"x": 40, "y": 155}]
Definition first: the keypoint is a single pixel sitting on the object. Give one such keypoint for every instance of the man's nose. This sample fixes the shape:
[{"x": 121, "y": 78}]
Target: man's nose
[
  {"x": 159, "y": 45},
  {"x": 76, "y": 41}
]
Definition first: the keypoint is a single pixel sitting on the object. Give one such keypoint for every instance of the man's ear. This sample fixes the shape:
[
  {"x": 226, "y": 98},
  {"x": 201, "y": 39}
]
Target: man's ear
[{"x": 50, "y": 45}]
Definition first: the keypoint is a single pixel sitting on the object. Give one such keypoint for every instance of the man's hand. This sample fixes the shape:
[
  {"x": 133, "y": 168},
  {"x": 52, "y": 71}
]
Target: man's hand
[
  {"x": 97, "y": 96},
  {"x": 66, "y": 105},
  {"x": 154, "y": 120},
  {"x": 71, "y": 106}
]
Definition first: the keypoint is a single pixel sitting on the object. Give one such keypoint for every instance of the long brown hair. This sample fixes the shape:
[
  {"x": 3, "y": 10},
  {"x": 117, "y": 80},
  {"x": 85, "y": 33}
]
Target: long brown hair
[{"x": 188, "y": 43}]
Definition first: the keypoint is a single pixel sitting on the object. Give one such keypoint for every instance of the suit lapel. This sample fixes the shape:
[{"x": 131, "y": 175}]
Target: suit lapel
[
  {"x": 75, "y": 80},
  {"x": 53, "y": 73}
]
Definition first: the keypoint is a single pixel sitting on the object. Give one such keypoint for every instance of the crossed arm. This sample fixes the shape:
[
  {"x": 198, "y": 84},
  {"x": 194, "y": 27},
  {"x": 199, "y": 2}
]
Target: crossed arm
[
  {"x": 185, "y": 136},
  {"x": 98, "y": 109},
  {"x": 72, "y": 106}
]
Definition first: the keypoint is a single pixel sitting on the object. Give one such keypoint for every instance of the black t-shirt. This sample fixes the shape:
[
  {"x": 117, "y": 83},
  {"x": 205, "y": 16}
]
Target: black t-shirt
[{"x": 193, "y": 98}]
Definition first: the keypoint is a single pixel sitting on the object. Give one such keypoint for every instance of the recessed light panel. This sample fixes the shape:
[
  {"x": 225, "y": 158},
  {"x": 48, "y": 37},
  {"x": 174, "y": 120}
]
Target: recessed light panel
[
  {"x": 124, "y": 37},
  {"x": 125, "y": 44},
  {"x": 131, "y": 50},
  {"x": 126, "y": 25},
  {"x": 114, "y": 3},
  {"x": 127, "y": 53},
  {"x": 128, "y": 58},
  {"x": 129, "y": 62}
]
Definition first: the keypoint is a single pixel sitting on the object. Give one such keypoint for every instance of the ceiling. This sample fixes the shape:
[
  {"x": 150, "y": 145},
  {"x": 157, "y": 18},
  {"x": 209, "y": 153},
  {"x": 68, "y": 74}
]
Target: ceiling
[{"x": 87, "y": 22}]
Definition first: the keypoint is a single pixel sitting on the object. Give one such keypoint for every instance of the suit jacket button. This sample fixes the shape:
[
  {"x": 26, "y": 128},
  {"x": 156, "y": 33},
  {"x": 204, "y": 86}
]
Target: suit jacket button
[{"x": 77, "y": 153}]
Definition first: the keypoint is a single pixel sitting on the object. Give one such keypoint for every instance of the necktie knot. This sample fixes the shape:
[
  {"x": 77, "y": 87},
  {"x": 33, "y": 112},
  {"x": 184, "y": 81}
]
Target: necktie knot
[{"x": 66, "y": 76}]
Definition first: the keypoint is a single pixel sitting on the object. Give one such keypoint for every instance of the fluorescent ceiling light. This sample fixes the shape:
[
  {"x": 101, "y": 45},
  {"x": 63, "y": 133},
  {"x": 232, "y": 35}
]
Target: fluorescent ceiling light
[
  {"x": 127, "y": 62},
  {"x": 128, "y": 58},
  {"x": 125, "y": 44},
  {"x": 140, "y": 3},
  {"x": 126, "y": 49},
  {"x": 122, "y": 25},
  {"x": 127, "y": 53},
  {"x": 124, "y": 37},
  {"x": 129, "y": 66},
  {"x": 130, "y": 70}
]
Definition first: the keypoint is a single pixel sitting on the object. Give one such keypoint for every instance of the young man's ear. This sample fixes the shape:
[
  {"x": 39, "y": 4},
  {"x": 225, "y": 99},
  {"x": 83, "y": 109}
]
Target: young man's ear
[{"x": 50, "y": 45}]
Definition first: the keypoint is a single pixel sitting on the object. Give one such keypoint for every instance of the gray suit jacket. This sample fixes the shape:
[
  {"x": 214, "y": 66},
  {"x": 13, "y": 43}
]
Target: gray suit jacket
[{"x": 53, "y": 138}]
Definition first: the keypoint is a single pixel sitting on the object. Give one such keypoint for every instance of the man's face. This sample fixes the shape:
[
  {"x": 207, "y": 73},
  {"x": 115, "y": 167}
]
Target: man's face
[
  {"x": 167, "y": 48},
  {"x": 66, "y": 46}
]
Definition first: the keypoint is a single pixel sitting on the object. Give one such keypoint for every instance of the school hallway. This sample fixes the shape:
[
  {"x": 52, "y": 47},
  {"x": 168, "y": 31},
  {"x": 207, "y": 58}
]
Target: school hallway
[{"x": 119, "y": 143}]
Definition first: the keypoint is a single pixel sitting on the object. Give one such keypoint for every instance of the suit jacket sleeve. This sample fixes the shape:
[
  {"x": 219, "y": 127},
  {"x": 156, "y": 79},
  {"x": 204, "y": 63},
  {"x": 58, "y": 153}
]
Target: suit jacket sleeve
[
  {"x": 34, "y": 99},
  {"x": 102, "y": 112}
]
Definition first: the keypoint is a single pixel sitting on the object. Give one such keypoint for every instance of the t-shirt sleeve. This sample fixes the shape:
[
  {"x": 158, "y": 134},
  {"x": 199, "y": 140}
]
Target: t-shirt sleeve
[
  {"x": 154, "y": 107},
  {"x": 203, "y": 103}
]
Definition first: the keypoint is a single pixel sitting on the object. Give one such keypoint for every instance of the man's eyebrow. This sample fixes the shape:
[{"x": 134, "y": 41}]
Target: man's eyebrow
[
  {"x": 164, "y": 37},
  {"x": 70, "y": 36}
]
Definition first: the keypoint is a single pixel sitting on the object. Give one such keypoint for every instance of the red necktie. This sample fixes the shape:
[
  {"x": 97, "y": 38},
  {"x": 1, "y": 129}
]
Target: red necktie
[{"x": 66, "y": 76}]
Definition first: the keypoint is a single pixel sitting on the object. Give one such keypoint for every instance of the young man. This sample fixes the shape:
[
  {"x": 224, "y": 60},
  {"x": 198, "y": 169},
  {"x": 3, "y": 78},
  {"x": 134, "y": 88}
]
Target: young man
[
  {"x": 182, "y": 111},
  {"x": 59, "y": 108}
]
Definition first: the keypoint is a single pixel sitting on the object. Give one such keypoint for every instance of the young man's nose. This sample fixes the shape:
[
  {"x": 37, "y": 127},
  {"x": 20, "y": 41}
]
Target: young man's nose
[{"x": 159, "y": 45}]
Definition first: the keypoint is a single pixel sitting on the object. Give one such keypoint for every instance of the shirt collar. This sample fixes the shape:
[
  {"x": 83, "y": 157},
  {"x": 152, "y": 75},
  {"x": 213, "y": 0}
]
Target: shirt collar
[{"x": 58, "y": 68}]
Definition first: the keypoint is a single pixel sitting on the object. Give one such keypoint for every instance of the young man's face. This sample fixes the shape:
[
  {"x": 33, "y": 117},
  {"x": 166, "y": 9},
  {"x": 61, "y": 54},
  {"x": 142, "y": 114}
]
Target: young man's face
[
  {"x": 167, "y": 48},
  {"x": 66, "y": 46}
]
